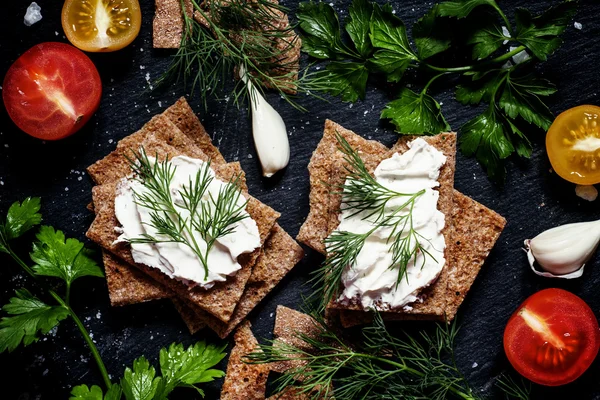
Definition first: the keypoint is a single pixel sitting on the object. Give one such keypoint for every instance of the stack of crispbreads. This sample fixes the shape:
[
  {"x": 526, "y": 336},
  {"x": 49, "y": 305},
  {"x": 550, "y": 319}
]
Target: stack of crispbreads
[
  {"x": 175, "y": 132},
  {"x": 168, "y": 28},
  {"x": 470, "y": 233}
]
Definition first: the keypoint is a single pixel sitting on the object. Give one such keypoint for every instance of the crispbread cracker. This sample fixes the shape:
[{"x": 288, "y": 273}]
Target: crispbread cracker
[
  {"x": 243, "y": 380},
  {"x": 476, "y": 230},
  {"x": 127, "y": 285},
  {"x": 280, "y": 254},
  {"x": 220, "y": 300},
  {"x": 188, "y": 315},
  {"x": 168, "y": 23}
]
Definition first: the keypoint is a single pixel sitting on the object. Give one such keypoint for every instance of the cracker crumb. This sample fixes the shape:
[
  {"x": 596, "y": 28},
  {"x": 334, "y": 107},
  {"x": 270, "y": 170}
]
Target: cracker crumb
[{"x": 586, "y": 192}]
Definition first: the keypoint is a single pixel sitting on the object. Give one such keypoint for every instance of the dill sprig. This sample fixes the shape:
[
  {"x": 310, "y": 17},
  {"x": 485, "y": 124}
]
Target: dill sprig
[
  {"x": 382, "y": 367},
  {"x": 362, "y": 194},
  {"x": 514, "y": 389},
  {"x": 209, "y": 217},
  {"x": 235, "y": 35}
]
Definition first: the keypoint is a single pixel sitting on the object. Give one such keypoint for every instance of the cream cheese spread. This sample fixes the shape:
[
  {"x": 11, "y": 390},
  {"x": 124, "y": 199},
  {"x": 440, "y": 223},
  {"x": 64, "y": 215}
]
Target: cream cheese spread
[
  {"x": 373, "y": 278},
  {"x": 177, "y": 260}
]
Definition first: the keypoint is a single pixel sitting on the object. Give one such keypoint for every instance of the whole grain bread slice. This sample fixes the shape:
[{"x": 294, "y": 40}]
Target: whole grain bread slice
[
  {"x": 279, "y": 255},
  {"x": 243, "y": 380},
  {"x": 476, "y": 230},
  {"x": 220, "y": 300}
]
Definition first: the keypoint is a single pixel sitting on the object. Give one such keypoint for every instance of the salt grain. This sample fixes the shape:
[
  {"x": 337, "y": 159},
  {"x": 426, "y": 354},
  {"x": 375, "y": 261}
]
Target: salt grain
[
  {"x": 578, "y": 25},
  {"x": 33, "y": 14},
  {"x": 475, "y": 365}
]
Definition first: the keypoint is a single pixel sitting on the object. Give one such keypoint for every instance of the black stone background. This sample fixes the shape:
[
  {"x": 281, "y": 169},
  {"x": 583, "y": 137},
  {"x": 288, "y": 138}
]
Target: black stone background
[{"x": 533, "y": 199}]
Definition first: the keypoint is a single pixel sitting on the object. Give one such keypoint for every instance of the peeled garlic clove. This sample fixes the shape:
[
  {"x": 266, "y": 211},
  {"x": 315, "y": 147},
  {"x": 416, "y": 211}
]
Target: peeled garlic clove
[
  {"x": 269, "y": 132},
  {"x": 563, "y": 251}
]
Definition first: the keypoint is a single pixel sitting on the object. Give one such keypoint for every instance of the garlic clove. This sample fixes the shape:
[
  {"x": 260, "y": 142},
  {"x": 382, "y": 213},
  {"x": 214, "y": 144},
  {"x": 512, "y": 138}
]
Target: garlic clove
[
  {"x": 563, "y": 251},
  {"x": 268, "y": 130}
]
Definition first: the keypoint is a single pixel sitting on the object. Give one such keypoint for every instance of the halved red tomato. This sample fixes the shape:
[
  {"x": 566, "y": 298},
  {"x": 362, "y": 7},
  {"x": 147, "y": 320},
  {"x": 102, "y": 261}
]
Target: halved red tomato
[
  {"x": 552, "y": 338},
  {"x": 52, "y": 90}
]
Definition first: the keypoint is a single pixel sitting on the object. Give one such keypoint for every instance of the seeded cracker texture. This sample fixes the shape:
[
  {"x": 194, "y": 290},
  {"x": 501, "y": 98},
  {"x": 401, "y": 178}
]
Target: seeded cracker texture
[
  {"x": 222, "y": 298},
  {"x": 244, "y": 381},
  {"x": 188, "y": 315},
  {"x": 168, "y": 23},
  {"x": 326, "y": 166}
]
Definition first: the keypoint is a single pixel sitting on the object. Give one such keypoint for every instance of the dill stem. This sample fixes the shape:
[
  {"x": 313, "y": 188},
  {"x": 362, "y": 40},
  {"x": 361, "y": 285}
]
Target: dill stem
[
  {"x": 477, "y": 66},
  {"x": 66, "y": 306}
]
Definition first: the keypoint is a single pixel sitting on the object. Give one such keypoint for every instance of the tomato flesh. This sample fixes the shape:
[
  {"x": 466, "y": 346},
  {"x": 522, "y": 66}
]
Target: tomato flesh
[
  {"x": 101, "y": 25},
  {"x": 51, "y": 91},
  {"x": 573, "y": 145},
  {"x": 552, "y": 338}
]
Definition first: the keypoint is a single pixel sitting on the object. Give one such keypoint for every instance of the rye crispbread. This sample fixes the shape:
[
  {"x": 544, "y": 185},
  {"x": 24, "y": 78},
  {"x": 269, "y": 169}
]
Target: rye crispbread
[
  {"x": 188, "y": 315},
  {"x": 168, "y": 23},
  {"x": 326, "y": 169},
  {"x": 220, "y": 300},
  {"x": 243, "y": 380},
  {"x": 280, "y": 254}
]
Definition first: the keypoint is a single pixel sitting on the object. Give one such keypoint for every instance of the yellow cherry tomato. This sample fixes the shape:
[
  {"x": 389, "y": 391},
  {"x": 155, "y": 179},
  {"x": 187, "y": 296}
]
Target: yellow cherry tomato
[
  {"x": 101, "y": 25},
  {"x": 573, "y": 145}
]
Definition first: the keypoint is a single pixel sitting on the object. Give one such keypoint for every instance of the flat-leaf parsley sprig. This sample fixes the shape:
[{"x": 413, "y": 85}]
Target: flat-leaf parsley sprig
[
  {"x": 382, "y": 366},
  {"x": 362, "y": 194},
  {"x": 211, "y": 218},
  {"x": 29, "y": 316},
  {"x": 501, "y": 75}
]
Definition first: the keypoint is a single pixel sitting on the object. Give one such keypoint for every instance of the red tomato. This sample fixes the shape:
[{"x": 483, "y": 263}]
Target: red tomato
[
  {"x": 52, "y": 90},
  {"x": 552, "y": 338}
]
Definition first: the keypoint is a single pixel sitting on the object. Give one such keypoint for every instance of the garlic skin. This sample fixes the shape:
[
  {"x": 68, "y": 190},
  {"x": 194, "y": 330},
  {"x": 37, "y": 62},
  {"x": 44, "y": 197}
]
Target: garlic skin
[
  {"x": 563, "y": 251},
  {"x": 268, "y": 130}
]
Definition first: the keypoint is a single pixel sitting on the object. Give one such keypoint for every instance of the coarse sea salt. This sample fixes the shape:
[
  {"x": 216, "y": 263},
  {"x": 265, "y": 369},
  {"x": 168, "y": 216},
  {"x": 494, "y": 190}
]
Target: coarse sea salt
[{"x": 33, "y": 14}]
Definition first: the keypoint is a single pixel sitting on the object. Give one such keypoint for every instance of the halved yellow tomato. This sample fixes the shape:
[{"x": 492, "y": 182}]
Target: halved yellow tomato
[
  {"x": 101, "y": 25},
  {"x": 573, "y": 145}
]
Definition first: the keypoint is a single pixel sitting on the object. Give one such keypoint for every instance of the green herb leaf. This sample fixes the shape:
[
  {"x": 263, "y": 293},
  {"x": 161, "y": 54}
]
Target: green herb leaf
[
  {"x": 30, "y": 317},
  {"x": 345, "y": 79},
  {"x": 65, "y": 259},
  {"x": 21, "y": 217},
  {"x": 520, "y": 98},
  {"x": 486, "y": 39},
  {"x": 541, "y": 34},
  {"x": 484, "y": 137},
  {"x": 181, "y": 366},
  {"x": 430, "y": 35},
  {"x": 522, "y": 145},
  {"x": 140, "y": 384},
  {"x": 477, "y": 90},
  {"x": 322, "y": 31},
  {"x": 358, "y": 26},
  {"x": 414, "y": 113},
  {"x": 388, "y": 32},
  {"x": 462, "y": 8},
  {"x": 83, "y": 392}
]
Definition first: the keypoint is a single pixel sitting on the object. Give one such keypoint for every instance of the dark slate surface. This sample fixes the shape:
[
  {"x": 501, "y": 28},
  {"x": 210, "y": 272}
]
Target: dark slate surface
[{"x": 533, "y": 199}]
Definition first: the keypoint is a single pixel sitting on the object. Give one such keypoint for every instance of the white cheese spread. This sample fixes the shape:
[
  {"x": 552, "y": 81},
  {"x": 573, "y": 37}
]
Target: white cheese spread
[
  {"x": 177, "y": 260},
  {"x": 373, "y": 278}
]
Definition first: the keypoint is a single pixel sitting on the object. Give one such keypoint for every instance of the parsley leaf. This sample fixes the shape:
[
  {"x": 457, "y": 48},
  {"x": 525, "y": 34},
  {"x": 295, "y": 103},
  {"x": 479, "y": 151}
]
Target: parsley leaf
[
  {"x": 520, "y": 98},
  {"x": 345, "y": 79},
  {"x": 484, "y": 137},
  {"x": 358, "y": 26},
  {"x": 322, "y": 31},
  {"x": 480, "y": 88},
  {"x": 65, "y": 259},
  {"x": 21, "y": 217},
  {"x": 462, "y": 8},
  {"x": 82, "y": 392},
  {"x": 429, "y": 34},
  {"x": 541, "y": 34},
  {"x": 140, "y": 384},
  {"x": 388, "y": 34},
  {"x": 486, "y": 39},
  {"x": 180, "y": 366},
  {"x": 414, "y": 113},
  {"x": 30, "y": 317},
  {"x": 522, "y": 145}
]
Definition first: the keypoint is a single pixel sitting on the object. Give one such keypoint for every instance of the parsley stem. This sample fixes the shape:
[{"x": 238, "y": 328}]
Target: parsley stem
[
  {"x": 65, "y": 305},
  {"x": 477, "y": 66}
]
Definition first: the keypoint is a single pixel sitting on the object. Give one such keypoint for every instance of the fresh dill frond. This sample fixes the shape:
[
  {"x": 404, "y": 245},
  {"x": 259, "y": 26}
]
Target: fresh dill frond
[
  {"x": 363, "y": 195},
  {"x": 209, "y": 217},
  {"x": 383, "y": 367},
  {"x": 513, "y": 388},
  {"x": 220, "y": 38}
]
